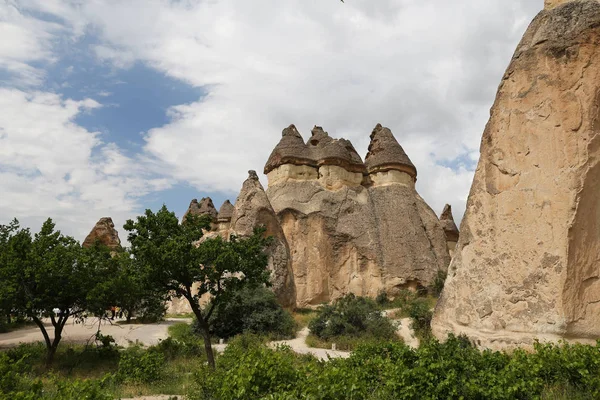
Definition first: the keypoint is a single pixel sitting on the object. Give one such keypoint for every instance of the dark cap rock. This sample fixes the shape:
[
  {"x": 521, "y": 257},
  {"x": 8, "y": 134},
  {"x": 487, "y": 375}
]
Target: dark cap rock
[{"x": 385, "y": 153}]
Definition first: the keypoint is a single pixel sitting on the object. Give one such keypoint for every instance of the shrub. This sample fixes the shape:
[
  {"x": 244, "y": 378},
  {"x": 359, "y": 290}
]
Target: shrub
[
  {"x": 421, "y": 315},
  {"x": 438, "y": 283},
  {"x": 252, "y": 310},
  {"x": 352, "y": 316},
  {"x": 451, "y": 370},
  {"x": 139, "y": 365},
  {"x": 248, "y": 369}
]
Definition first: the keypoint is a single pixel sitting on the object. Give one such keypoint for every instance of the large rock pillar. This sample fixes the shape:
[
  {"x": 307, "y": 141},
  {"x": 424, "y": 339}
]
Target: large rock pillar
[{"x": 526, "y": 266}]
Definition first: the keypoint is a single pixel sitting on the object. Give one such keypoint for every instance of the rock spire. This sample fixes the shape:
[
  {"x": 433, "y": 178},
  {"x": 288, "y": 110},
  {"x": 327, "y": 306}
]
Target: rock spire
[{"x": 526, "y": 264}]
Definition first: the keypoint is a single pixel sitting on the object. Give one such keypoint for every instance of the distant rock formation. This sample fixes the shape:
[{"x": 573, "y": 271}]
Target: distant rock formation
[
  {"x": 204, "y": 207},
  {"x": 224, "y": 217},
  {"x": 450, "y": 229},
  {"x": 104, "y": 231},
  {"x": 352, "y": 227},
  {"x": 526, "y": 265}
]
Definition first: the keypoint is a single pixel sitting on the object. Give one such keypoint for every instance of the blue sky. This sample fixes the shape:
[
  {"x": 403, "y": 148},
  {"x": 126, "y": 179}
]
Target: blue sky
[{"x": 108, "y": 108}]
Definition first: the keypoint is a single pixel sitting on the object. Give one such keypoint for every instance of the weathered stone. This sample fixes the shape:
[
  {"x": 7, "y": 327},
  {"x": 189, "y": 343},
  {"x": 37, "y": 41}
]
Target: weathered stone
[
  {"x": 104, "y": 231},
  {"x": 348, "y": 231},
  {"x": 252, "y": 210},
  {"x": 526, "y": 264},
  {"x": 204, "y": 207},
  {"x": 450, "y": 229},
  {"x": 385, "y": 154}
]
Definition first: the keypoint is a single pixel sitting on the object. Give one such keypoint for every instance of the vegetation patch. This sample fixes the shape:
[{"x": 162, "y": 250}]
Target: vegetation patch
[{"x": 348, "y": 321}]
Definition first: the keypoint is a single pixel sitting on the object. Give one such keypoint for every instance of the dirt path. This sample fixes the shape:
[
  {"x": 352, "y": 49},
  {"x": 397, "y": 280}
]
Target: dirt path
[
  {"x": 147, "y": 334},
  {"x": 299, "y": 346}
]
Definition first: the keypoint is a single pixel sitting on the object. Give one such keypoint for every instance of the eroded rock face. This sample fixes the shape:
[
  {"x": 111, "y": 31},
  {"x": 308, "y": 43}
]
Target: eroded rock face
[
  {"x": 253, "y": 209},
  {"x": 352, "y": 227},
  {"x": 104, "y": 231},
  {"x": 526, "y": 262}
]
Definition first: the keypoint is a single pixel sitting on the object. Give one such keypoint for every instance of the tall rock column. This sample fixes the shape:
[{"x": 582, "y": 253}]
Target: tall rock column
[{"x": 526, "y": 265}]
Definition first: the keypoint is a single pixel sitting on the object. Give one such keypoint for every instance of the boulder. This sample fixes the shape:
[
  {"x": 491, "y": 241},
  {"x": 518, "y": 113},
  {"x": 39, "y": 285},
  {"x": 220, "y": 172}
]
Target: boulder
[
  {"x": 525, "y": 266},
  {"x": 104, "y": 231}
]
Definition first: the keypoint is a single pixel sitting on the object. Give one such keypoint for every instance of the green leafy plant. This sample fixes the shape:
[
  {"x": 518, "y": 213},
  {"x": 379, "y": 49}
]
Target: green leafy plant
[{"x": 253, "y": 310}]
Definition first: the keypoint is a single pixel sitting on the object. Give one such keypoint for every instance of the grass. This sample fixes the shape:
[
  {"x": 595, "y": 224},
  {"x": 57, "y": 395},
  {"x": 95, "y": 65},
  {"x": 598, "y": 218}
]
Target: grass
[
  {"x": 181, "y": 316},
  {"x": 345, "y": 343},
  {"x": 75, "y": 361}
]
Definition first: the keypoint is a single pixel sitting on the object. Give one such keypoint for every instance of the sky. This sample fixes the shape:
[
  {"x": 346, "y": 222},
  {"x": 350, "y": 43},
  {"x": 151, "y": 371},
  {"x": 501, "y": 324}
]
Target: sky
[{"x": 110, "y": 107}]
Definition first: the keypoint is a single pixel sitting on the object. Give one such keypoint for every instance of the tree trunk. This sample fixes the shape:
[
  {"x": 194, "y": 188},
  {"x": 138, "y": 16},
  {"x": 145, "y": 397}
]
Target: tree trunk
[
  {"x": 210, "y": 357},
  {"x": 49, "y": 352}
]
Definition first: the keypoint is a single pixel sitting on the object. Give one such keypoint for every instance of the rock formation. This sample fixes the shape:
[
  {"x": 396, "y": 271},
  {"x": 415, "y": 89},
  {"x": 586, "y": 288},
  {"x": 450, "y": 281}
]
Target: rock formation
[
  {"x": 224, "y": 217},
  {"x": 204, "y": 207},
  {"x": 352, "y": 227},
  {"x": 450, "y": 229},
  {"x": 104, "y": 231},
  {"x": 526, "y": 262},
  {"x": 252, "y": 209}
]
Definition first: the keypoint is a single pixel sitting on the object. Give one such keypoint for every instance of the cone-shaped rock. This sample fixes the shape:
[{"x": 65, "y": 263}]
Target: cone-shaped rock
[
  {"x": 104, "y": 231},
  {"x": 252, "y": 209},
  {"x": 526, "y": 265},
  {"x": 385, "y": 153},
  {"x": 225, "y": 212},
  {"x": 447, "y": 221}
]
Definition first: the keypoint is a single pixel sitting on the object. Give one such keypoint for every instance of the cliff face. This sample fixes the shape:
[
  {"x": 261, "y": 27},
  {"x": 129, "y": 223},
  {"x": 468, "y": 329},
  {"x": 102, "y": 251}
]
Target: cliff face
[
  {"x": 352, "y": 227},
  {"x": 526, "y": 262}
]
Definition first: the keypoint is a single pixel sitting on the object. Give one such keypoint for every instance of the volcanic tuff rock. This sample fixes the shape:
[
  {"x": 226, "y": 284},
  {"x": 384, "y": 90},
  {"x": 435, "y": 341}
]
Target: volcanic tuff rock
[
  {"x": 104, "y": 231},
  {"x": 352, "y": 227},
  {"x": 450, "y": 229},
  {"x": 252, "y": 209},
  {"x": 204, "y": 207},
  {"x": 526, "y": 262}
]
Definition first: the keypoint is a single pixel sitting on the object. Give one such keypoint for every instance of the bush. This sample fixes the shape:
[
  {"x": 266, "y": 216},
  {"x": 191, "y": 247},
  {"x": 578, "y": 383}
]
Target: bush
[
  {"x": 252, "y": 310},
  {"x": 451, "y": 370},
  {"x": 354, "y": 317},
  {"x": 421, "y": 315},
  {"x": 141, "y": 366},
  {"x": 248, "y": 369},
  {"x": 438, "y": 283}
]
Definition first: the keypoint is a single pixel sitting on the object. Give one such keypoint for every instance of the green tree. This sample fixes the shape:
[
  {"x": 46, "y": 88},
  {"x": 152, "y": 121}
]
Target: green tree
[
  {"x": 174, "y": 262},
  {"x": 50, "y": 276}
]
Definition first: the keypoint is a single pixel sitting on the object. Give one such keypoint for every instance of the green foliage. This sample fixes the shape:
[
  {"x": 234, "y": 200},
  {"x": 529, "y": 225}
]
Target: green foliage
[
  {"x": 421, "y": 315},
  {"x": 138, "y": 365},
  {"x": 173, "y": 261},
  {"x": 438, "y": 283},
  {"x": 50, "y": 275},
  {"x": 251, "y": 370},
  {"x": 253, "y": 310},
  {"x": 452, "y": 370},
  {"x": 352, "y": 316}
]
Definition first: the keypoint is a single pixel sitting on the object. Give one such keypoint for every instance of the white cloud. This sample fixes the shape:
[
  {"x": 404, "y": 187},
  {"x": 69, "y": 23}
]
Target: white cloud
[
  {"x": 50, "y": 166},
  {"x": 427, "y": 69}
]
